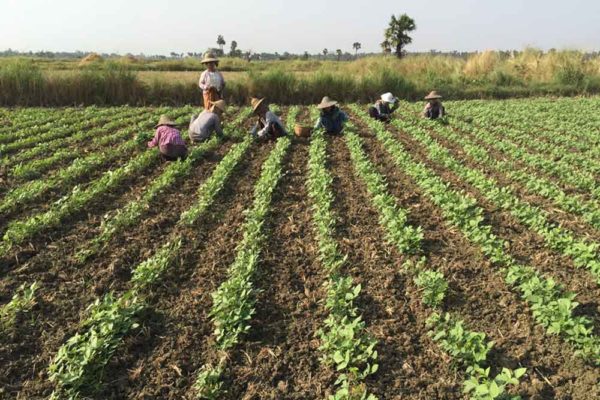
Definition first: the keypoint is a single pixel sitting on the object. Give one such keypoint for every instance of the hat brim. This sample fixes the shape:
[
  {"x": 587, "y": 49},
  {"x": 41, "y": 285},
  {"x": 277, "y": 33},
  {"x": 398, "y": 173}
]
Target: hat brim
[
  {"x": 260, "y": 102},
  {"x": 433, "y": 97},
  {"x": 165, "y": 124},
  {"x": 209, "y": 60},
  {"x": 327, "y": 105}
]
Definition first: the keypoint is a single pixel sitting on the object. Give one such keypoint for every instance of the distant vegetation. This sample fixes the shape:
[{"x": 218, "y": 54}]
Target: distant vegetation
[{"x": 100, "y": 80}]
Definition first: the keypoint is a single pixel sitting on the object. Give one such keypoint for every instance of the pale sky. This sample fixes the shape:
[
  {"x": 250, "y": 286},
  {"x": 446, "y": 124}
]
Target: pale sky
[{"x": 159, "y": 27}]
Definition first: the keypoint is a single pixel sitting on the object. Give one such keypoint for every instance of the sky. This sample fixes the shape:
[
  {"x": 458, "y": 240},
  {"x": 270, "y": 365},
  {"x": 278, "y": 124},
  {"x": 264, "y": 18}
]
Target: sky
[{"x": 160, "y": 27}]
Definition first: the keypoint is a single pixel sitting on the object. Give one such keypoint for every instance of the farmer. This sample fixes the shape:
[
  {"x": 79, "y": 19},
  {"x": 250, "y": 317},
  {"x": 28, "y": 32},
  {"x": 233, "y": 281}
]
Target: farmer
[
  {"x": 169, "y": 140},
  {"x": 384, "y": 107},
  {"x": 211, "y": 81},
  {"x": 434, "y": 108},
  {"x": 209, "y": 121},
  {"x": 268, "y": 126},
  {"x": 332, "y": 119}
]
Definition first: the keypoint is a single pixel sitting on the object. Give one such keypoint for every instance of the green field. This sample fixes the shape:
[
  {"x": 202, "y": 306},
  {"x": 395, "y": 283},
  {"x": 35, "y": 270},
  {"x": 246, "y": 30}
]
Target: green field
[{"x": 421, "y": 259}]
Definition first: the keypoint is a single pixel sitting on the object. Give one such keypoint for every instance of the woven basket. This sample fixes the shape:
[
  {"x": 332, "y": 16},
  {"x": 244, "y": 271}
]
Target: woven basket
[{"x": 302, "y": 131}]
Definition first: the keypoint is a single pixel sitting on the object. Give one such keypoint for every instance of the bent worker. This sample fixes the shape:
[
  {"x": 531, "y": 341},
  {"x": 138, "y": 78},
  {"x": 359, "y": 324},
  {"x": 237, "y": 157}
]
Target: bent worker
[
  {"x": 169, "y": 140},
  {"x": 332, "y": 119},
  {"x": 209, "y": 121},
  {"x": 434, "y": 108},
  {"x": 384, "y": 107},
  {"x": 268, "y": 126},
  {"x": 211, "y": 81}
]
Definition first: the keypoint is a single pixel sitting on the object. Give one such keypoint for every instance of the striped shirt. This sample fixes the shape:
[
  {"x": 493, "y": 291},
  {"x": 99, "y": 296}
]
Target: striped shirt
[{"x": 166, "y": 135}]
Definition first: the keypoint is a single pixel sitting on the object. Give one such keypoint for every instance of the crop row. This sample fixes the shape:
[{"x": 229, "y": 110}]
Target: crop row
[
  {"x": 172, "y": 174},
  {"x": 588, "y": 209},
  {"x": 344, "y": 341},
  {"x": 470, "y": 349},
  {"x": 78, "y": 365},
  {"x": 550, "y": 305},
  {"x": 65, "y": 149},
  {"x": 583, "y": 253},
  {"x": 19, "y": 231},
  {"x": 558, "y": 151},
  {"x": 72, "y": 124},
  {"x": 234, "y": 301},
  {"x": 554, "y": 121},
  {"x": 44, "y": 148},
  {"x": 33, "y": 121}
]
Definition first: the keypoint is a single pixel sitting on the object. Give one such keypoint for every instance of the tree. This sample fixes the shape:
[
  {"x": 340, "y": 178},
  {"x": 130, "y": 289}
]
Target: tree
[
  {"x": 356, "y": 46},
  {"x": 397, "y": 32},
  {"x": 234, "y": 52},
  {"x": 325, "y": 52},
  {"x": 339, "y": 54},
  {"x": 305, "y": 56},
  {"x": 221, "y": 42},
  {"x": 386, "y": 46}
]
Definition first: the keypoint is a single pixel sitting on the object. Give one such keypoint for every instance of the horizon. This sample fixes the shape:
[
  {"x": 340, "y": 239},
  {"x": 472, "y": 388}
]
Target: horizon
[{"x": 63, "y": 26}]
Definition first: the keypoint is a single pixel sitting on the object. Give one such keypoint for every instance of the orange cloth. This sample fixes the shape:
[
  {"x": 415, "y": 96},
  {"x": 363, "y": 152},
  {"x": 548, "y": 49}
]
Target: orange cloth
[{"x": 209, "y": 97}]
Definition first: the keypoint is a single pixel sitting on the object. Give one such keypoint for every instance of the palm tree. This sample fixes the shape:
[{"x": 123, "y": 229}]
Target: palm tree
[
  {"x": 356, "y": 46},
  {"x": 397, "y": 32},
  {"x": 221, "y": 42},
  {"x": 325, "y": 52},
  {"x": 339, "y": 54}
]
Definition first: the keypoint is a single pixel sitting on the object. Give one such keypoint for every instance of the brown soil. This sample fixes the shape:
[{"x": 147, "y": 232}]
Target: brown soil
[
  {"x": 279, "y": 359},
  {"x": 410, "y": 365},
  {"x": 519, "y": 342}
]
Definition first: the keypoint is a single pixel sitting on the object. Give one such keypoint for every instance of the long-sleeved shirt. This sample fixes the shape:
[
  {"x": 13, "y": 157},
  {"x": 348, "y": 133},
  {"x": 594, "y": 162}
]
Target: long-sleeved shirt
[
  {"x": 166, "y": 135},
  {"x": 267, "y": 125},
  {"x": 332, "y": 122},
  {"x": 205, "y": 124},
  {"x": 210, "y": 79},
  {"x": 384, "y": 109},
  {"x": 434, "y": 110}
]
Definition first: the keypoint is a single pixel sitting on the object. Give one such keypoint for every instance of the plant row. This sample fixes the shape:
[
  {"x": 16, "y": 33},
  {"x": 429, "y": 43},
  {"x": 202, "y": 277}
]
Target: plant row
[
  {"x": 81, "y": 167},
  {"x": 79, "y": 364},
  {"x": 344, "y": 341},
  {"x": 234, "y": 301},
  {"x": 62, "y": 150},
  {"x": 588, "y": 210},
  {"x": 551, "y": 306},
  {"x": 583, "y": 253},
  {"x": 73, "y": 125},
  {"x": 469, "y": 349},
  {"x": 173, "y": 173}
]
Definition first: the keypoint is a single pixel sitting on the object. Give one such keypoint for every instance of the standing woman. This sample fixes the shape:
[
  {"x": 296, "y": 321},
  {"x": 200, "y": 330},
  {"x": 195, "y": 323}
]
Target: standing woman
[
  {"x": 211, "y": 82},
  {"x": 169, "y": 140}
]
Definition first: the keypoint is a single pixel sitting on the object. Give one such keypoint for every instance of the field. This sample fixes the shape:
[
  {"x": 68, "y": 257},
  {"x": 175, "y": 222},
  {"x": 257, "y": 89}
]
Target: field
[{"x": 414, "y": 260}]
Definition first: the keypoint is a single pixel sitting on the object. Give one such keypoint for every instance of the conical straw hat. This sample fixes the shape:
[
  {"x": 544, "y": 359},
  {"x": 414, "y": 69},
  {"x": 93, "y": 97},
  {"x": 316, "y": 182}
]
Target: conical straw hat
[
  {"x": 326, "y": 103},
  {"x": 209, "y": 57},
  {"x": 164, "y": 120},
  {"x": 220, "y": 104},
  {"x": 433, "y": 95},
  {"x": 255, "y": 103}
]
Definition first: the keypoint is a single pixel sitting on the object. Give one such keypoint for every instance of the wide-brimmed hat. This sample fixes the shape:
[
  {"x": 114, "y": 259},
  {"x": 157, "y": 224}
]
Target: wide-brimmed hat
[
  {"x": 164, "y": 120},
  {"x": 220, "y": 104},
  {"x": 389, "y": 98},
  {"x": 326, "y": 103},
  {"x": 433, "y": 95},
  {"x": 255, "y": 103},
  {"x": 208, "y": 58}
]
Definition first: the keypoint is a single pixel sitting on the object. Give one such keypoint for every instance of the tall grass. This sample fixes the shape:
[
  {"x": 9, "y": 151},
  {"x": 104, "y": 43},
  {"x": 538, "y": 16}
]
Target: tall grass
[{"x": 487, "y": 74}]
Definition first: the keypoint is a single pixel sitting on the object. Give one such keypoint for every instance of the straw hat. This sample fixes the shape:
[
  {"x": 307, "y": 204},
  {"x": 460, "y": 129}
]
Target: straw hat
[
  {"x": 389, "y": 98},
  {"x": 220, "y": 104},
  {"x": 255, "y": 103},
  {"x": 164, "y": 120},
  {"x": 326, "y": 103},
  {"x": 208, "y": 58},
  {"x": 433, "y": 95}
]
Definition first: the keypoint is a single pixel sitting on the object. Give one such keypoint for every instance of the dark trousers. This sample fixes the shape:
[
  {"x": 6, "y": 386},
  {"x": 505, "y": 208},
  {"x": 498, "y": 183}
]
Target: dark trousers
[{"x": 173, "y": 152}]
